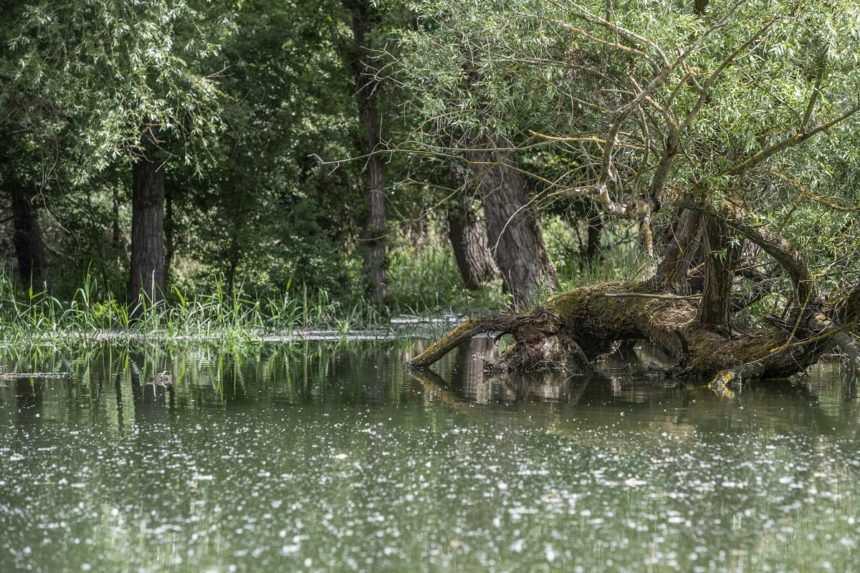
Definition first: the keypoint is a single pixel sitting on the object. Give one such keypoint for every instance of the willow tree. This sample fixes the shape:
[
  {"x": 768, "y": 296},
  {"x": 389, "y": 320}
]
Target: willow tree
[
  {"x": 731, "y": 124},
  {"x": 127, "y": 83},
  {"x": 474, "y": 107}
]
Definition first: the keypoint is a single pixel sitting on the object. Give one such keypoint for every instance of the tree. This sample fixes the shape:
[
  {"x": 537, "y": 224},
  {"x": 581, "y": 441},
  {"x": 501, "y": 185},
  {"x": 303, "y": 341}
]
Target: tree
[
  {"x": 29, "y": 247},
  {"x": 710, "y": 123},
  {"x": 476, "y": 107},
  {"x": 126, "y": 83},
  {"x": 266, "y": 218},
  {"x": 148, "y": 252},
  {"x": 469, "y": 242},
  {"x": 358, "y": 57}
]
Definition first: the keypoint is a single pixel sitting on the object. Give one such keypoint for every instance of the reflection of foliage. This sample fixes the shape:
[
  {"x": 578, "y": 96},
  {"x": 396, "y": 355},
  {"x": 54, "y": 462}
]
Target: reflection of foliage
[{"x": 210, "y": 373}]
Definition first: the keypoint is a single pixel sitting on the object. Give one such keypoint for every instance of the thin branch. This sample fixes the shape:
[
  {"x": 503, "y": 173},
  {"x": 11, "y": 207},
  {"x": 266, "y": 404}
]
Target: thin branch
[
  {"x": 816, "y": 91},
  {"x": 787, "y": 143}
]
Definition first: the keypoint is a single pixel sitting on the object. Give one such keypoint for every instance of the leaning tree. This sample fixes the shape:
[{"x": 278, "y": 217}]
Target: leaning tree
[{"x": 732, "y": 124}]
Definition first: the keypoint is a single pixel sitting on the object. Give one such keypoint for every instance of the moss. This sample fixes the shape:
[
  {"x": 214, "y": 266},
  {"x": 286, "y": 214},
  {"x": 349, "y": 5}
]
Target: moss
[
  {"x": 592, "y": 321},
  {"x": 571, "y": 302}
]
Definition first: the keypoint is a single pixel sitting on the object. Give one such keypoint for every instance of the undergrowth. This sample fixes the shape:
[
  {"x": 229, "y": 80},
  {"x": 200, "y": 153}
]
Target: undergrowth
[
  {"x": 38, "y": 313},
  {"x": 423, "y": 281}
]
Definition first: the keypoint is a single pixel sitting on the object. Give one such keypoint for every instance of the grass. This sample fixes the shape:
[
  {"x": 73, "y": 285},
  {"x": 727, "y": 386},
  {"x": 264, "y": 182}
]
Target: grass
[
  {"x": 621, "y": 257},
  {"x": 38, "y": 314},
  {"x": 425, "y": 281},
  {"x": 421, "y": 282}
]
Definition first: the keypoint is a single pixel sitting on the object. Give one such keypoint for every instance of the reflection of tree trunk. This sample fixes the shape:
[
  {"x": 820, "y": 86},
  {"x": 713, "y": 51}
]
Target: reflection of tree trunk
[
  {"x": 117, "y": 388},
  {"x": 366, "y": 93},
  {"x": 469, "y": 243},
  {"x": 28, "y": 397},
  {"x": 29, "y": 247},
  {"x": 513, "y": 230},
  {"x": 136, "y": 363},
  {"x": 148, "y": 271},
  {"x": 470, "y": 370}
]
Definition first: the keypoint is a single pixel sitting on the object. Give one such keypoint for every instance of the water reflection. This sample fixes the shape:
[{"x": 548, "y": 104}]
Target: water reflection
[
  {"x": 823, "y": 399},
  {"x": 119, "y": 386},
  {"x": 324, "y": 456}
]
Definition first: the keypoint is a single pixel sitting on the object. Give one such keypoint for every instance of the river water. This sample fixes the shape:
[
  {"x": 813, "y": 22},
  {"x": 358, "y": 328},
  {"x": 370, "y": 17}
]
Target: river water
[{"x": 321, "y": 456}]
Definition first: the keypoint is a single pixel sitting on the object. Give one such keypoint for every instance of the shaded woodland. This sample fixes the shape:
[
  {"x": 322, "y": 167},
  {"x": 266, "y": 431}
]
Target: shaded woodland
[{"x": 265, "y": 146}]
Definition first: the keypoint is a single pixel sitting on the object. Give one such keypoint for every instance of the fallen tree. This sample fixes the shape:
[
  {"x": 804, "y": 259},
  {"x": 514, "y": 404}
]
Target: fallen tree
[{"x": 690, "y": 320}]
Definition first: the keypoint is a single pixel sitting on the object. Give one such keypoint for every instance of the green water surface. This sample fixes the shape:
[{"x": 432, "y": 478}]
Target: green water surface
[{"x": 334, "y": 457}]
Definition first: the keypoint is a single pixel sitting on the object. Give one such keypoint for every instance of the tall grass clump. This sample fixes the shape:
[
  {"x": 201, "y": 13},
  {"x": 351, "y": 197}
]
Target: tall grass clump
[{"x": 90, "y": 311}]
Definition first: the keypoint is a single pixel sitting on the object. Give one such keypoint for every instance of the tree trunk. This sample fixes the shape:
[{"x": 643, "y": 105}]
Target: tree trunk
[
  {"x": 233, "y": 256},
  {"x": 580, "y": 325},
  {"x": 851, "y": 311},
  {"x": 29, "y": 246},
  {"x": 683, "y": 246},
  {"x": 719, "y": 274},
  {"x": 148, "y": 271},
  {"x": 592, "y": 245},
  {"x": 469, "y": 243},
  {"x": 169, "y": 231},
  {"x": 514, "y": 234},
  {"x": 366, "y": 93}
]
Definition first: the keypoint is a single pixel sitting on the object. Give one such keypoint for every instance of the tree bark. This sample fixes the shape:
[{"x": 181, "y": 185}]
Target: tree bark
[
  {"x": 719, "y": 274},
  {"x": 592, "y": 245},
  {"x": 683, "y": 246},
  {"x": 469, "y": 243},
  {"x": 233, "y": 256},
  {"x": 148, "y": 270},
  {"x": 514, "y": 233},
  {"x": 116, "y": 235},
  {"x": 852, "y": 307},
  {"x": 29, "y": 245},
  {"x": 169, "y": 231},
  {"x": 366, "y": 94}
]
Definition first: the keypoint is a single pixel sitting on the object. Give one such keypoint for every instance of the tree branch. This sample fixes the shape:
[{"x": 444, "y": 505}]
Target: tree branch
[{"x": 788, "y": 142}]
